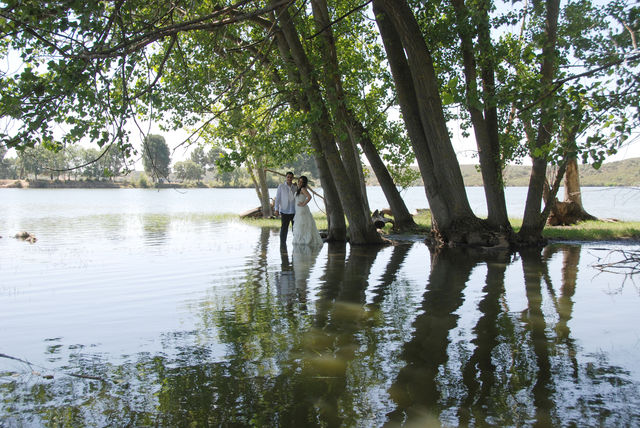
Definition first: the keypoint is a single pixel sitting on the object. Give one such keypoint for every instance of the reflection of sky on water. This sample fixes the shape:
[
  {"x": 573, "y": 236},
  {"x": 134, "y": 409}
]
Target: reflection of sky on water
[{"x": 200, "y": 302}]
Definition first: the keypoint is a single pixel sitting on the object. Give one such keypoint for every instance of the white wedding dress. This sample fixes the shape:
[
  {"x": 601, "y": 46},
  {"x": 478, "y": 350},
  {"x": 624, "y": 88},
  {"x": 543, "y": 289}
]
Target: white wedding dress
[{"x": 305, "y": 231}]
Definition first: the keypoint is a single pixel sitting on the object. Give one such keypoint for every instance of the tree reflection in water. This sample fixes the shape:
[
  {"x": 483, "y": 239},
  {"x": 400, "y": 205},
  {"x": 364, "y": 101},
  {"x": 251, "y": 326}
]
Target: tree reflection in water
[{"x": 339, "y": 338}]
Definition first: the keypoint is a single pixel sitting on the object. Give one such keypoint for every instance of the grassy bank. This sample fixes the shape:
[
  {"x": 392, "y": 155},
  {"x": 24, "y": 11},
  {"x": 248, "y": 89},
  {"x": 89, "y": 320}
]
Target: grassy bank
[{"x": 587, "y": 231}]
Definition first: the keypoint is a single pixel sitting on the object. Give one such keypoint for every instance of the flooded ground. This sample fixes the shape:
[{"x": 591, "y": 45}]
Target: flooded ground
[{"x": 179, "y": 319}]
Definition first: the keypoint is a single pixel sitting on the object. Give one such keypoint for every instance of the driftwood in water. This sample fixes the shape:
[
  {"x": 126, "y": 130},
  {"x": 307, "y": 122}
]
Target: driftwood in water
[
  {"x": 252, "y": 213},
  {"x": 255, "y": 212},
  {"x": 26, "y": 236},
  {"x": 379, "y": 219}
]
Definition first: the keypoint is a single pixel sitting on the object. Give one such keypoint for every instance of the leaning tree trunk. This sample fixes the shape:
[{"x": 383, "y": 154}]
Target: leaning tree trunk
[
  {"x": 408, "y": 106},
  {"x": 361, "y": 228},
  {"x": 348, "y": 122},
  {"x": 453, "y": 221},
  {"x": 335, "y": 97},
  {"x": 533, "y": 220},
  {"x": 403, "y": 220},
  {"x": 337, "y": 227},
  {"x": 265, "y": 201},
  {"x": 485, "y": 123}
]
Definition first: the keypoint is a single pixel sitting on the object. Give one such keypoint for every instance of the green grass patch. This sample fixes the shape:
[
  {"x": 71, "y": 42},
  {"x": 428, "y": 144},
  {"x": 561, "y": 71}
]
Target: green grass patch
[
  {"x": 585, "y": 231},
  {"x": 321, "y": 222},
  {"x": 595, "y": 231}
]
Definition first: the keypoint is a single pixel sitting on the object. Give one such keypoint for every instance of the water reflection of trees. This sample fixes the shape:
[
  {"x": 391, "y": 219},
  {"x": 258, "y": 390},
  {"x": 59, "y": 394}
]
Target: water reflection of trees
[
  {"x": 521, "y": 369},
  {"x": 266, "y": 357}
]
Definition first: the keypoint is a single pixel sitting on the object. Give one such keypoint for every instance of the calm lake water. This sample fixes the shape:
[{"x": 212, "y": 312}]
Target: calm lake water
[{"x": 143, "y": 308}]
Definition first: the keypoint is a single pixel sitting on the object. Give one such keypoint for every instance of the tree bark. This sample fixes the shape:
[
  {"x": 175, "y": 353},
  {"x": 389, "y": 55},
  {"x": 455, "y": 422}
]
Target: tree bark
[
  {"x": 265, "y": 201},
  {"x": 430, "y": 106},
  {"x": 453, "y": 221},
  {"x": 348, "y": 122},
  {"x": 361, "y": 228},
  {"x": 408, "y": 106},
  {"x": 337, "y": 227},
  {"x": 533, "y": 221},
  {"x": 572, "y": 193},
  {"x": 572, "y": 182},
  {"x": 485, "y": 124},
  {"x": 403, "y": 220},
  {"x": 570, "y": 210},
  {"x": 336, "y": 103}
]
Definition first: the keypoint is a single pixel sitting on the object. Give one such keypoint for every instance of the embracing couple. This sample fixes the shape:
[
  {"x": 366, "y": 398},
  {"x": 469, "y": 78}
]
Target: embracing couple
[{"x": 291, "y": 203}]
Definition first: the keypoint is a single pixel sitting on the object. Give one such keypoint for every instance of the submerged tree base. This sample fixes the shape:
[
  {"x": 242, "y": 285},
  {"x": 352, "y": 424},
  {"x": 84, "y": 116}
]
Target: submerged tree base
[{"x": 471, "y": 232}]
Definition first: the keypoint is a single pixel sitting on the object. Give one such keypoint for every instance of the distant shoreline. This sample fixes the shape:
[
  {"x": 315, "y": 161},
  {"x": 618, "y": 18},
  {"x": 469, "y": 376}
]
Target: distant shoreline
[
  {"x": 99, "y": 184},
  {"x": 125, "y": 184}
]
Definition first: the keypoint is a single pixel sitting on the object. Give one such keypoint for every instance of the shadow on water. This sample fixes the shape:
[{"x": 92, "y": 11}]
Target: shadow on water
[{"x": 334, "y": 337}]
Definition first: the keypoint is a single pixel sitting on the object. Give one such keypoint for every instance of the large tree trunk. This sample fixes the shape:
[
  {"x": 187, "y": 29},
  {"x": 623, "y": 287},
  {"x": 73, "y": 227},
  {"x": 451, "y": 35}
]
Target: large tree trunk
[
  {"x": 453, "y": 221},
  {"x": 403, "y": 220},
  {"x": 533, "y": 221},
  {"x": 337, "y": 227},
  {"x": 361, "y": 228},
  {"x": 408, "y": 107},
  {"x": 347, "y": 121},
  {"x": 485, "y": 124},
  {"x": 336, "y": 99}
]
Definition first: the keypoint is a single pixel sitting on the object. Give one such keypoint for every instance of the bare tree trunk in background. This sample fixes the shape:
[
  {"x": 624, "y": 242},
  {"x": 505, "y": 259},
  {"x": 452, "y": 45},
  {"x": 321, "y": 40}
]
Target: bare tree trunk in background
[
  {"x": 570, "y": 210},
  {"x": 260, "y": 186},
  {"x": 265, "y": 201}
]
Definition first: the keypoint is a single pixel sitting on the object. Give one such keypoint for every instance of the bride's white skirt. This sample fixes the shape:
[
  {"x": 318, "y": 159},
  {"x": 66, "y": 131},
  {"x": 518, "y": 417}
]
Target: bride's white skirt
[{"x": 305, "y": 231}]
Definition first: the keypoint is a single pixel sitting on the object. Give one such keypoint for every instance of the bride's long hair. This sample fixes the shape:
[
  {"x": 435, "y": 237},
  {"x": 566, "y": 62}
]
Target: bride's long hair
[{"x": 304, "y": 183}]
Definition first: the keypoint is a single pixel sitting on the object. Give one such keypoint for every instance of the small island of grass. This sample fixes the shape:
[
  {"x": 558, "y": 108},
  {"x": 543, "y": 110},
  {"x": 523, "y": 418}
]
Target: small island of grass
[{"x": 592, "y": 230}]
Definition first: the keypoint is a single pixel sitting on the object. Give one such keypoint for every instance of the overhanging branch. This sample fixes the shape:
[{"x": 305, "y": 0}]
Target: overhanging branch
[{"x": 558, "y": 84}]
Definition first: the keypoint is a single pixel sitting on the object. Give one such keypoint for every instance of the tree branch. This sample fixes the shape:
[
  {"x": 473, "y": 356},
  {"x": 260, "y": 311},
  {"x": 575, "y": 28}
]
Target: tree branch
[
  {"x": 330, "y": 24},
  {"x": 557, "y": 84}
]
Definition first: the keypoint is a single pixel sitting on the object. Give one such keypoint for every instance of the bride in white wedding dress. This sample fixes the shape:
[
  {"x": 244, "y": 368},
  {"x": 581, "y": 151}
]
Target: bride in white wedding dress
[{"x": 305, "y": 231}]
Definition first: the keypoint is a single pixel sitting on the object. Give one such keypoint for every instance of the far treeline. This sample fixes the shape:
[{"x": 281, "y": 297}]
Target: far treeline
[
  {"x": 88, "y": 167},
  {"x": 261, "y": 82},
  {"x": 201, "y": 170}
]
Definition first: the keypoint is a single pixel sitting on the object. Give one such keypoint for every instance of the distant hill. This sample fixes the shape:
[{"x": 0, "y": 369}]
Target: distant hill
[{"x": 621, "y": 173}]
